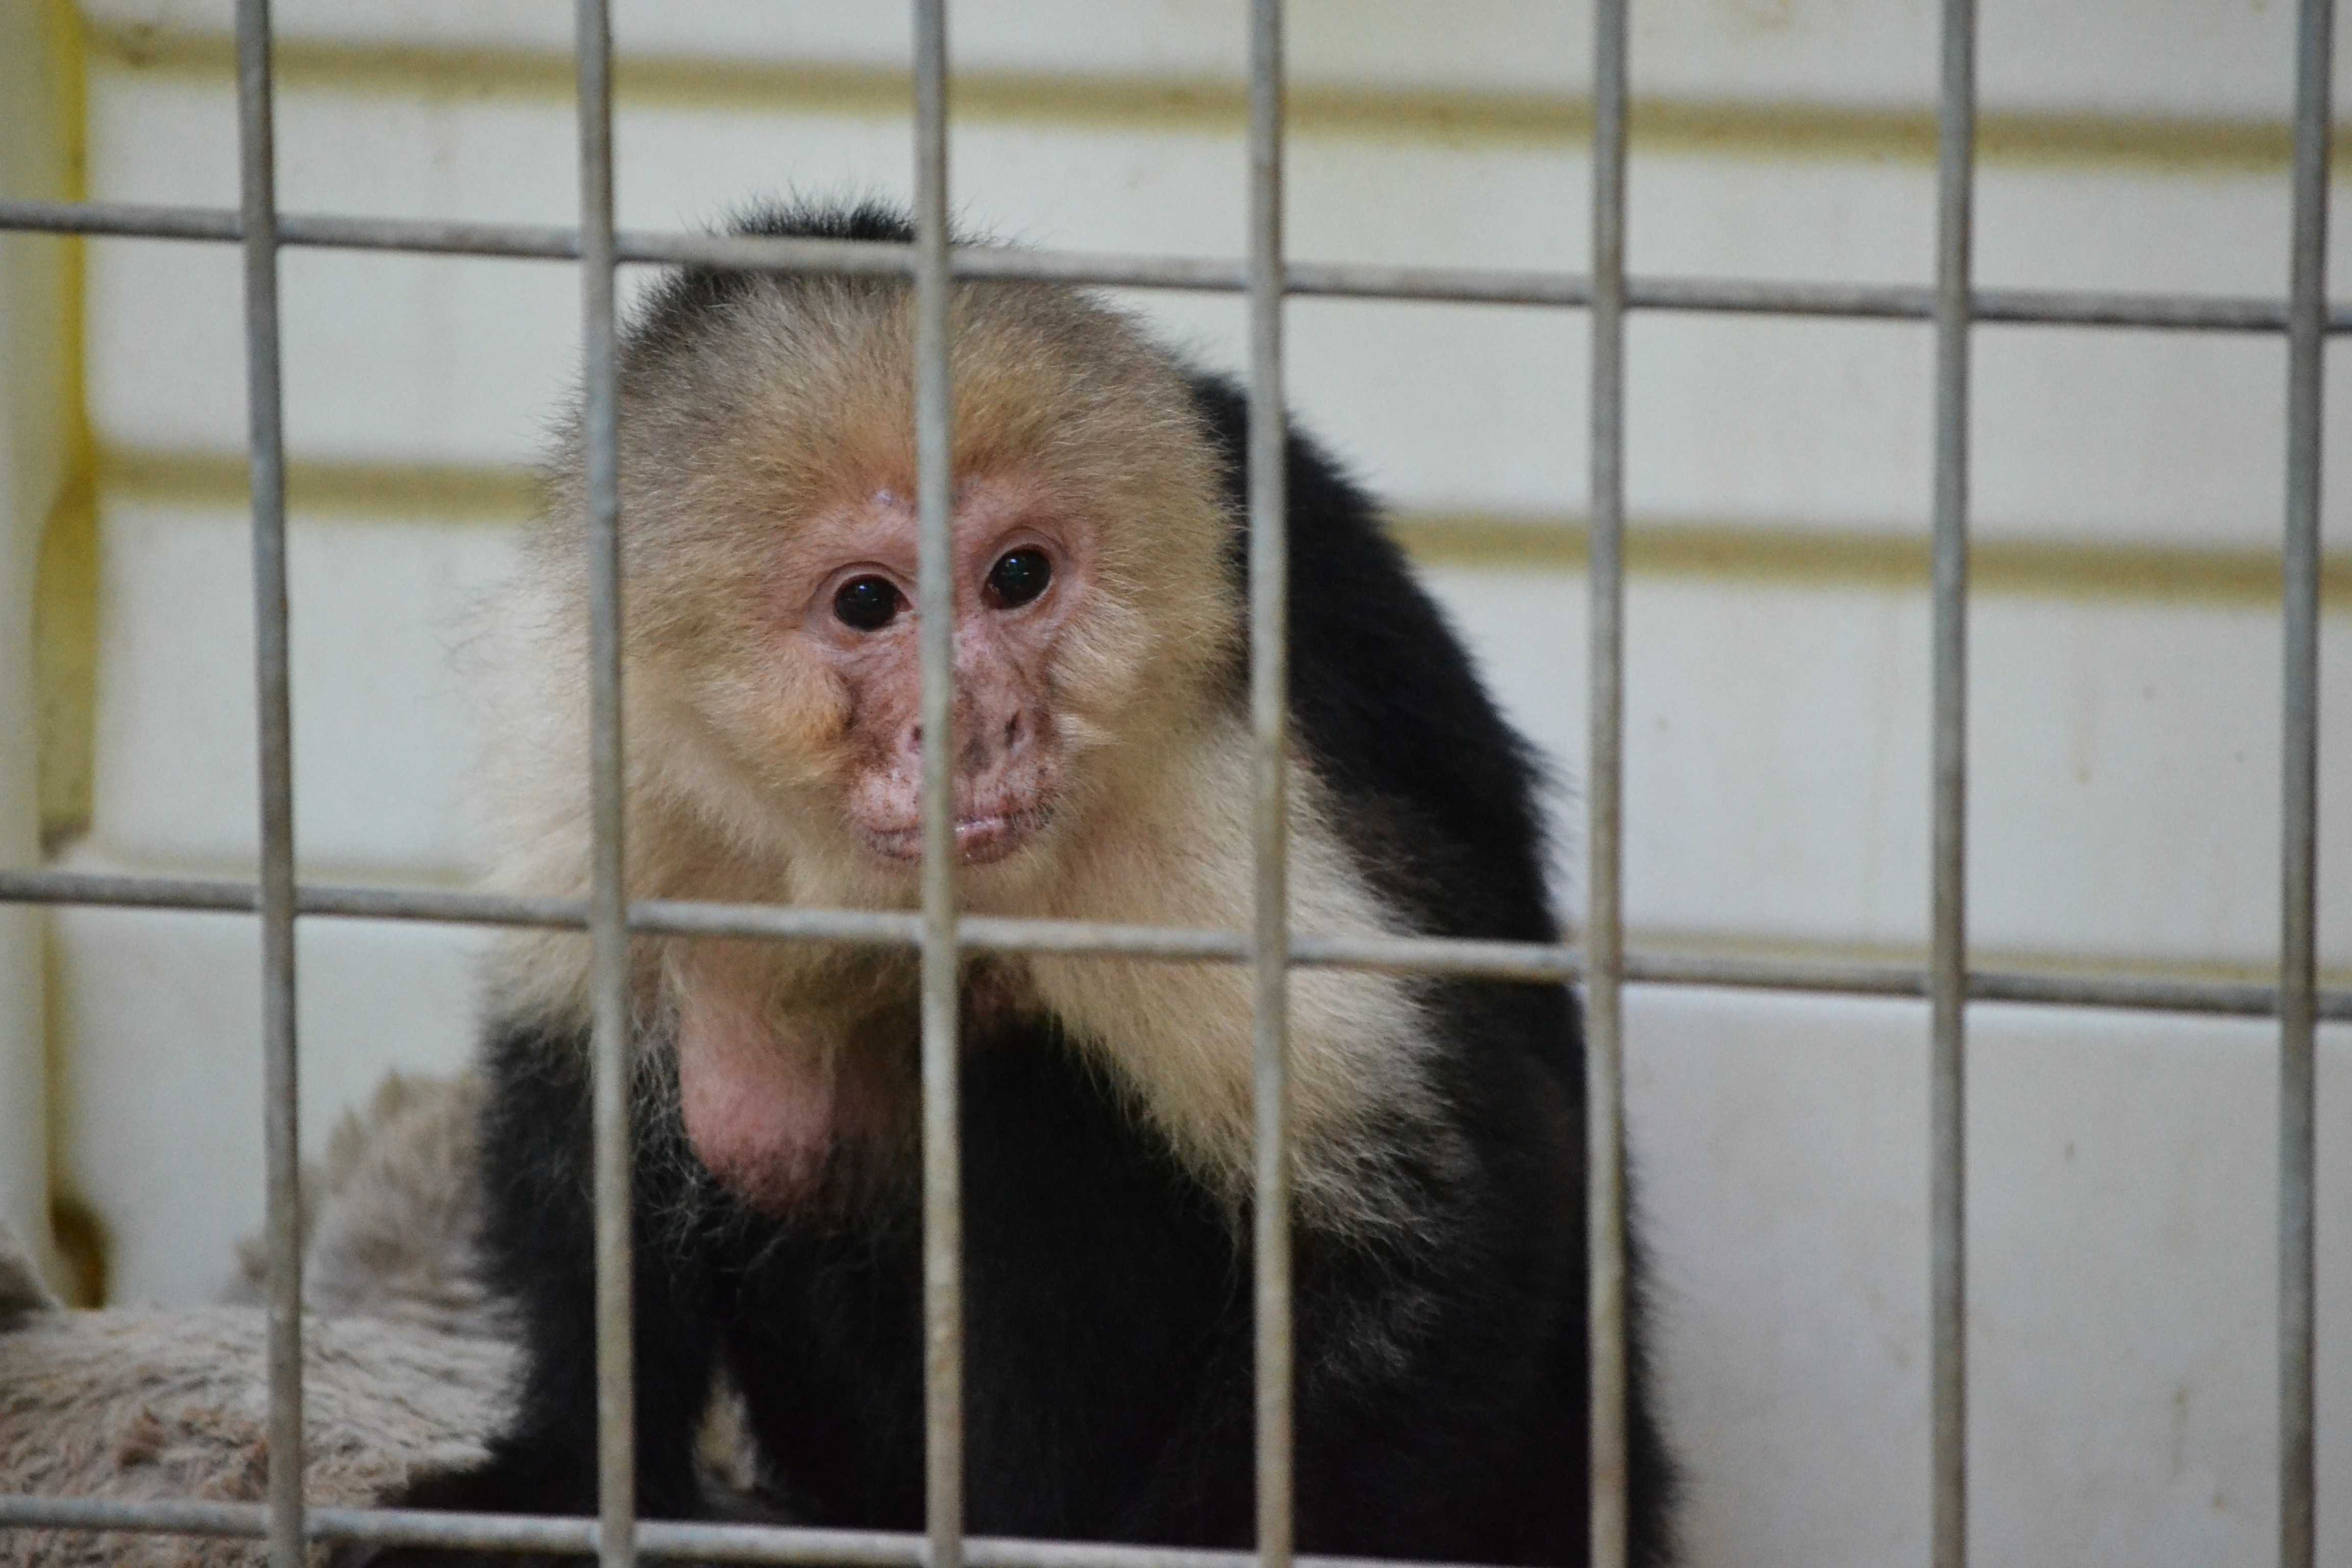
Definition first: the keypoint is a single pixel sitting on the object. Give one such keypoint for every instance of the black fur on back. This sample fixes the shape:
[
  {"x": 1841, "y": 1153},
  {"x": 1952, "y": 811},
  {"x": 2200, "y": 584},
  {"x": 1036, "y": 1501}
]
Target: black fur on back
[
  {"x": 1440, "y": 802},
  {"x": 1441, "y": 1378}
]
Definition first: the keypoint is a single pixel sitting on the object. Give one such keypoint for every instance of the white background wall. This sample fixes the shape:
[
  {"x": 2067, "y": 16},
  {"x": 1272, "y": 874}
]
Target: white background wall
[{"x": 2124, "y": 800}]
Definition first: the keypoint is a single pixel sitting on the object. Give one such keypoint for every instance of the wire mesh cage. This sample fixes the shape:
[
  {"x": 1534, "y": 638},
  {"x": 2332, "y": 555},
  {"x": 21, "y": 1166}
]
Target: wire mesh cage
[{"x": 1600, "y": 961}]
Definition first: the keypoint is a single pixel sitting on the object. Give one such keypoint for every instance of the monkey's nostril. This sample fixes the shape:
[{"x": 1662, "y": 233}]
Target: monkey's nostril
[{"x": 1012, "y": 731}]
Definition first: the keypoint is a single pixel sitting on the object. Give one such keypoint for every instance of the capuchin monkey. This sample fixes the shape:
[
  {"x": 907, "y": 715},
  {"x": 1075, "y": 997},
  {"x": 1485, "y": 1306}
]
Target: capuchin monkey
[{"x": 1102, "y": 772}]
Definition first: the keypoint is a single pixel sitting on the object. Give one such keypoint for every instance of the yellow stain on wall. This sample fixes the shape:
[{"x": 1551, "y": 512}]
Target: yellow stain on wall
[
  {"x": 427, "y": 495},
  {"x": 65, "y": 659},
  {"x": 422, "y": 493},
  {"x": 65, "y": 587}
]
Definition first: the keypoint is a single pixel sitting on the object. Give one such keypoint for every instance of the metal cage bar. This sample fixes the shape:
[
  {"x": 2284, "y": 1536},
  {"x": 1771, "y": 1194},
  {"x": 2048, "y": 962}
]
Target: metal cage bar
[
  {"x": 274, "y": 724},
  {"x": 2299, "y": 804},
  {"x": 936, "y": 592},
  {"x": 609, "y": 1049},
  {"x": 1531, "y": 962},
  {"x": 1269, "y": 660},
  {"x": 1459, "y": 285},
  {"x": 1604, "y": 1042},
  {"x": 1947, "y": 959},
  {"x": 666, "y": 1539}
]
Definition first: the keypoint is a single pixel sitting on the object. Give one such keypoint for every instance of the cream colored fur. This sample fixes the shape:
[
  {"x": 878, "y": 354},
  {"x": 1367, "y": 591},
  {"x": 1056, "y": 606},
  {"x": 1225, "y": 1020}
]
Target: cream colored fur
[
  {"x": 1182, "y": 1035},
  {"x": 723, "y": 448}
]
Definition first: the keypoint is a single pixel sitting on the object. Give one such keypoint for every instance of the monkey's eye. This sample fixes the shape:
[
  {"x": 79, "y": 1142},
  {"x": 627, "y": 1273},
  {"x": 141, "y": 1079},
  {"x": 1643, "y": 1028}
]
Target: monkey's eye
[
  {"x": 1019, "y": 576},
  {"x": 867, "y": 604}
]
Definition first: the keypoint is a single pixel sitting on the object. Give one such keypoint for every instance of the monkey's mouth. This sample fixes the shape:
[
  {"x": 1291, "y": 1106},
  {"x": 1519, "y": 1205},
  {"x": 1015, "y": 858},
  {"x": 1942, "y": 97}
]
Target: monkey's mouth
[{"x": 981, "y": 838}]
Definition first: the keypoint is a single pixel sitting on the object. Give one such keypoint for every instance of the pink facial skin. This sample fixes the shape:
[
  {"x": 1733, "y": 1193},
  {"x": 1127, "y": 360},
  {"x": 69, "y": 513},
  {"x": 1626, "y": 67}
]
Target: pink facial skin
[
  {"x": 1008, "y": 772},
  {"x": 767, "y": 1098}
]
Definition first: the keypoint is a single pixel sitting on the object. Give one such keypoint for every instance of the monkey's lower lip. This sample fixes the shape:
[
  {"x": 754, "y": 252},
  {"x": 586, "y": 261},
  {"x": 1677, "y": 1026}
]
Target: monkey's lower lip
[{"x": 980, "y": 840}]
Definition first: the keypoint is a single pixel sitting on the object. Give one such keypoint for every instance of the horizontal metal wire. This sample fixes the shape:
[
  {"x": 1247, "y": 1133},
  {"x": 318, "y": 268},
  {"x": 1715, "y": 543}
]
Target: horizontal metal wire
[
  {"x": 1523, "y": 960},
  {"x": 655, "y": 1538},
  {"x": 1490, "y": 286}
]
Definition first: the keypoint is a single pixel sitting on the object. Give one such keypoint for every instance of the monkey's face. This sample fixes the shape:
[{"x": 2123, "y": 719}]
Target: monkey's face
[
  {"x": 769, "y": 549},
  {"x": 1025, "y": 569}
]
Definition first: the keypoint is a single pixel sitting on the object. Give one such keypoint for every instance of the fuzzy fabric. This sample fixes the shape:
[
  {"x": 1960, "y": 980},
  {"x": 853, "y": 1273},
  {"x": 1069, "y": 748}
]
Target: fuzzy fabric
[
  {"x": 405, "y": 1367},
  {"x": 156, "y": 1406},
  {"x": 390, "y": 1214}
]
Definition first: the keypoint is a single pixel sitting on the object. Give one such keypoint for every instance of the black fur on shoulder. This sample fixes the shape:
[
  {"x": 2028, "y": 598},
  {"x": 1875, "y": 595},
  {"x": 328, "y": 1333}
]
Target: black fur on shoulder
[
  {"x": 1385, "y": 700},
  {"x": 1440, "y": 803}
]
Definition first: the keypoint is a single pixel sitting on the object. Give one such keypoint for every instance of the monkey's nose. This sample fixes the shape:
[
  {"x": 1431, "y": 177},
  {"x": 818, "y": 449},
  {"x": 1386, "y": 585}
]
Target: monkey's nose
[
  {"x": 987, "y": 743},
  {"x": 980, "y": 741}
]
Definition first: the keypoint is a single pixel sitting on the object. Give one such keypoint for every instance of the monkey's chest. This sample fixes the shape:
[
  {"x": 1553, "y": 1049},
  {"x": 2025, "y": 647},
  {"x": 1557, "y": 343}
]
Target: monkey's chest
[{"x": 1105, "y": 1312}]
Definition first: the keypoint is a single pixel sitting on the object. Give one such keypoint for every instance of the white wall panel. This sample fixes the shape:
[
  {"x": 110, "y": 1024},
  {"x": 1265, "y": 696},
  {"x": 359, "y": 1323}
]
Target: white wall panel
[
  {"x": 2122, "y": 1181},
  {"x": 1778, "y": 420},
  {"x": 162, "y": 1088},
  {"x": 166, "y": 354},
  {"x": 2123, "y": 796},
  {"x": 2124, "y": 791},
  {"x": 383, "y": 733},
  {"x": 1444, "y": 408},
  {"x": 2132, "y": 437}
]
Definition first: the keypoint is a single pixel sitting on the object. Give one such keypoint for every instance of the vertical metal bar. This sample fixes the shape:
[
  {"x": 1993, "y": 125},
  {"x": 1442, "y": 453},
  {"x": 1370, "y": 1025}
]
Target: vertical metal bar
[
  {"x": 1269, "y": 556},
  {"x": 935, "y": 590},
  {"x": 2299, "y": 769},
  {"x": 281, "y": 1135},
  {"x": 1948, "y": 962},
  {"x": 617, "y": 1472},
  {"x": 1605, "y": 1061}
]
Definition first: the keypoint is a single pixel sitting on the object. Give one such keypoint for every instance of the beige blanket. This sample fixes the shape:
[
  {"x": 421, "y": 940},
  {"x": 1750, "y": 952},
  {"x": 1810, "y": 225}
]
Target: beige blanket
[{"x": 405, "y": 1368}]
